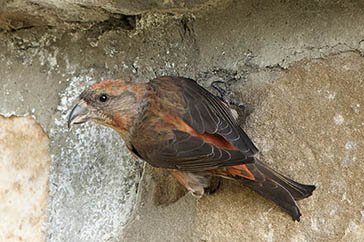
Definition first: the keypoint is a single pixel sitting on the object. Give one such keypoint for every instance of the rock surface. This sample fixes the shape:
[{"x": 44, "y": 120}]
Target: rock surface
[
  {"x": 24, "y": 14},
  {"x": 24, "y": 171},
  {"x": 319, "y": 104},
  {"x": 309, "y": 124},
  {"x": 298, "y": 64}
]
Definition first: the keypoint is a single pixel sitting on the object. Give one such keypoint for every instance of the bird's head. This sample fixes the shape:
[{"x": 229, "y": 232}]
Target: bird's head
[{"x": 111, "y": 103}]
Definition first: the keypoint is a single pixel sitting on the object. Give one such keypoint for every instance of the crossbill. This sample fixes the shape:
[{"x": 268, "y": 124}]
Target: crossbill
[{"x": 174, "y": 123}]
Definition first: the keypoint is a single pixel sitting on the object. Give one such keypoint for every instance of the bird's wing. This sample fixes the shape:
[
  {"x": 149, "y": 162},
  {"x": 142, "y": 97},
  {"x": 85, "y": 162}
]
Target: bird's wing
[
  {"x": 206, "y": 113},
  {"x": 203, "y": 152},
  {"x": 206, "y": 134}
]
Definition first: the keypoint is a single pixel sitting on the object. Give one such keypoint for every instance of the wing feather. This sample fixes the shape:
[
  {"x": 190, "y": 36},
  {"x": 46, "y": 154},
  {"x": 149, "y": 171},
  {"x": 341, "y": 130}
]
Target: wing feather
[
  {"x": 199, "y": 129},
  {"x": 217, "y": 116},
  {"x": 194, "y": 154}
]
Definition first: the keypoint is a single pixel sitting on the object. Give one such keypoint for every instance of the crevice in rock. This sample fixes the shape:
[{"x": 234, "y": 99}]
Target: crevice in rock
[
  {"x": 21, "y": 28},
  {"x": 187, "y": 30},
  {"x": 117, "y": 21},
  {"x": 276, "y": 67}
]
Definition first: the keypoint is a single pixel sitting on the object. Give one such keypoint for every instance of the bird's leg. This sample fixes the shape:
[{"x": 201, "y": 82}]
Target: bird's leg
[
  {"x": 212, "y": 189},
  {"x": 224, "y": 97},
  {"x": 194, "y": 182},
  {"x": 246, "y": 110}
]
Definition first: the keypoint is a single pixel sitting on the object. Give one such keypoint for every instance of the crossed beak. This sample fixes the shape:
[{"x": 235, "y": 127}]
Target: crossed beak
[{"x": 79, "y": 114}]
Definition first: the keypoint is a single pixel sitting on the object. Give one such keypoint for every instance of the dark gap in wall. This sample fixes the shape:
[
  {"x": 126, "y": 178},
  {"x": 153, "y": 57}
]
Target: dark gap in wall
[
  {"x": 118, "y": 21},
  {"x": 21, "y": 28},
  {"x": 115, "y": 22}
]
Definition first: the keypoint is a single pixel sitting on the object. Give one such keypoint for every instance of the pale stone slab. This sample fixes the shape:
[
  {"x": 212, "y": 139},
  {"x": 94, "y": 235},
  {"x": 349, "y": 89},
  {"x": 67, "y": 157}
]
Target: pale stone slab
[
  {"x": 309, "y": 125},
  {"x": 24, "y": 171}
]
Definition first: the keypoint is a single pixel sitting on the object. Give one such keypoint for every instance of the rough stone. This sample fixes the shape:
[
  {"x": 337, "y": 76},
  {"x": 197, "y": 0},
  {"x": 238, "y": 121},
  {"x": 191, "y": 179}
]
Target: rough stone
[
  {"x": 24, "y": 171},
  {"x": 277, "y": 33},
  {"x": 261, "y": 48},
  {"x": 23, "y": 14},
  {"x": 158, "y": 215},
  {"x": 94, "y": 179},
  {"x": 308, "y": 125}
]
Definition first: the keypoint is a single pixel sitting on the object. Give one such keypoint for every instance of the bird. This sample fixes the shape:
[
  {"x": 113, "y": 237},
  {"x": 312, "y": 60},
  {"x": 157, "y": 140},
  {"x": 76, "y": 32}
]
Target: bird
[{"x": 174, "y": 123}]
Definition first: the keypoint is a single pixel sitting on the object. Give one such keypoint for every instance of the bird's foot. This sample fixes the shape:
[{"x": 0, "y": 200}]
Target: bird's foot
[
  {"x": 225, "y": 98},
  {"x": 212, "y": 189}
]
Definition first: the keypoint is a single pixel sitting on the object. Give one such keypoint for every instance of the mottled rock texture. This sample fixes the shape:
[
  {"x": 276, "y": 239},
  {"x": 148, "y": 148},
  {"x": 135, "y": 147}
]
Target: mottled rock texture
[
  {"x": 24, "y": 171},
  {"x": 308, "y": 124},
  {"x": 299, "y": 64},
  {"x": 23, "y": 14}
]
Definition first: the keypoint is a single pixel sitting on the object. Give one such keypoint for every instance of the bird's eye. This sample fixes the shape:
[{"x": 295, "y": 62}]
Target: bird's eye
[{"x": 103, "y": 98}]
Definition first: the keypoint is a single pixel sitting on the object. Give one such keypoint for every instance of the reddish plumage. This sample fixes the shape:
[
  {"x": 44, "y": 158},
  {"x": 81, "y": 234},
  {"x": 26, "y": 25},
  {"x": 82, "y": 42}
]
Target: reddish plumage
[
  {"x": 214, "y": 139},
  {"x": 173, "y": 123},
  {"x": 241, "y": 170}
]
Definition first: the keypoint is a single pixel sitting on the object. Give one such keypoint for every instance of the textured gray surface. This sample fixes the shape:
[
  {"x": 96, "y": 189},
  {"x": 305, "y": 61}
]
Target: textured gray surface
[
  {"x": 23, "y": 14},
  {"x": 93, "y": 181},
  {"x": 319, "y": 104},
  {"x": 282, "y": 53}
]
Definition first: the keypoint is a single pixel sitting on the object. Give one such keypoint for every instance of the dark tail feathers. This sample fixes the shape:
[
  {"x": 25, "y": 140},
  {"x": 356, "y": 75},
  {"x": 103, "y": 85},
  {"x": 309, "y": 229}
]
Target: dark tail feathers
[{"x": 278, "y": 188}]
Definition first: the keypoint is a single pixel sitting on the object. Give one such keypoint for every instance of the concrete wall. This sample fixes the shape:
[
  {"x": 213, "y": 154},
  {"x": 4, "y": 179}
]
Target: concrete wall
[{"x": 299, "y": 64}]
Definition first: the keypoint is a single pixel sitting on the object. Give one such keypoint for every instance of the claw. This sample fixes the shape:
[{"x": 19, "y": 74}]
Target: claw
[
  {"x": 224, "y": 97},
  {"x": 221, "y": 91},
  {"x": 209, "y": 190}
]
